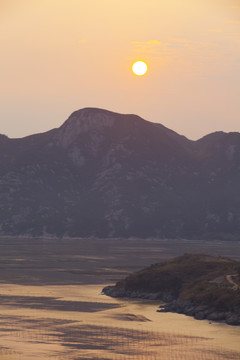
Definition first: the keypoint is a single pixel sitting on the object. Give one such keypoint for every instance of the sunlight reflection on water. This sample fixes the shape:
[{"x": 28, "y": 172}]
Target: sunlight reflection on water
[{"x": 51, "y": 305}]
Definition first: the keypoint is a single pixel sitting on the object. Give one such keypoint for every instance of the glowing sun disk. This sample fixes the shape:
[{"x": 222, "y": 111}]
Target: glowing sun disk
[{"x": 139, "y": 68}]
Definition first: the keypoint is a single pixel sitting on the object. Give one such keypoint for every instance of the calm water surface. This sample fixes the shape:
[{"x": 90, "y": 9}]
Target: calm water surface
[{"x": 51, "y": 306}]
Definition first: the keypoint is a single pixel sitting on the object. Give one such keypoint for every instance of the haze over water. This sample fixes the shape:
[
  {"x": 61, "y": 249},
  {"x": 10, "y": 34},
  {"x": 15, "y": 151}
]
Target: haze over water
[{"x": 51, "y": 305}]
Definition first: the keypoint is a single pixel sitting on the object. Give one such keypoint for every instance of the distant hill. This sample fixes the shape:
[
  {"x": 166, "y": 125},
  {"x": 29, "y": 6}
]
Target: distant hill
[
  {"x": 104, "y": 174},
  {"x": 202, "y": 286}
]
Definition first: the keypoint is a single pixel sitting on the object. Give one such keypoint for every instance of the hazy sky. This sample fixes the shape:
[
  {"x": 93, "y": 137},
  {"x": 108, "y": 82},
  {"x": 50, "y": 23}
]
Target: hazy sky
[{"x": 58, "y": 56}]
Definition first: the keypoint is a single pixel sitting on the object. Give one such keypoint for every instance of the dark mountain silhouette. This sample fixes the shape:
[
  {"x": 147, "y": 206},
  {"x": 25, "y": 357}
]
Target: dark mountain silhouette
[{"x": 105, "y": 174}]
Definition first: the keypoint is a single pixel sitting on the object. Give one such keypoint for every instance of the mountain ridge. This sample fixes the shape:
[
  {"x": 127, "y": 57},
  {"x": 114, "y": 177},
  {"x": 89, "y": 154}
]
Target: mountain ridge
[
  {"x": 100, "y": 110},
  {"x": 106, "y": 174}
]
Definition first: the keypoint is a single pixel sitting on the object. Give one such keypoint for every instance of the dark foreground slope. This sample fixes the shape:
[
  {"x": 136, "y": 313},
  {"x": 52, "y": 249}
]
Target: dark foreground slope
[
  {"x": 104, "y": 174},
  {"x": 202, "y": 286}
]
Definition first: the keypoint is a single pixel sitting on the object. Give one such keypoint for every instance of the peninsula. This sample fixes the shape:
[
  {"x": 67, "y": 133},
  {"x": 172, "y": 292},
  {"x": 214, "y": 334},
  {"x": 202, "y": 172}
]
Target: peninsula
[{"x": 202, "y": 286}]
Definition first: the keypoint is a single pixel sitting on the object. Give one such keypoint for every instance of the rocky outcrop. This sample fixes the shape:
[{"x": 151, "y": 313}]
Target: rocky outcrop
[
  {"x": 119, "y": 292},
  {"x": 201, "y": 312},
  {"x": 196, "y": 285}
]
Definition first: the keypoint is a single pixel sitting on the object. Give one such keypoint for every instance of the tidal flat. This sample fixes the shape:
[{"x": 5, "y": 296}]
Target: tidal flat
[{"x": 51, "y": 306}]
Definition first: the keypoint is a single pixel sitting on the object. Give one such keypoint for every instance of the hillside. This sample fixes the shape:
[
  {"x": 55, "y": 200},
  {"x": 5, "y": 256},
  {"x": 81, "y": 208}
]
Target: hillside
[
  {"x": 104, "y": 174},
  {"x": 202, "y": 286}
]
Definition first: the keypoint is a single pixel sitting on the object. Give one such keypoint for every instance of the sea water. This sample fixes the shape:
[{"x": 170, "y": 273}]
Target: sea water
[{"x": 51, "y": 305}]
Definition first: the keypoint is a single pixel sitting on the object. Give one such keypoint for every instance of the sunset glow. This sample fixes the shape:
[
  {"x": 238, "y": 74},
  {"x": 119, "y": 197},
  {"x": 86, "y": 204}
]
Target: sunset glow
[
  {"x": 60, "y": 55},
  {"x": 139, "y": 68},
  {"x": 120, "y": 179}
]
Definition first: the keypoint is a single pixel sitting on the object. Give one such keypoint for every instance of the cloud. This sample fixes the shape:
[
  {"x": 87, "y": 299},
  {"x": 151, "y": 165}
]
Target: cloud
[
  {"x": 82, "y": 41},
  {"x": 189, "y": 55},
  {"x": 186, "y": 43},
  {"x": 174, "y": 43},
  {"x": 151, "y": 47},
  {"x": 148, "y": 43}
]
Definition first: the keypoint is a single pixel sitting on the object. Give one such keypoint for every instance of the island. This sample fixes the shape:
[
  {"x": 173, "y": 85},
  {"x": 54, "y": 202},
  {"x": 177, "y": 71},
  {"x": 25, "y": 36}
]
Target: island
[{"x": 198, "y": 285}]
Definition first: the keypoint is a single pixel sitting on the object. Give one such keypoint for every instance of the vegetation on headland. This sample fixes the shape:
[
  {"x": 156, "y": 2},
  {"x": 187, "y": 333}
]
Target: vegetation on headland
[{"x": 203, "y": 286}]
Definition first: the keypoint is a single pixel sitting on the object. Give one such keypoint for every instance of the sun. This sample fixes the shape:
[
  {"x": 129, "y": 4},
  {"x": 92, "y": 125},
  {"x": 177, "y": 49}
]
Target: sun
[{"x": 139, "y": 68}]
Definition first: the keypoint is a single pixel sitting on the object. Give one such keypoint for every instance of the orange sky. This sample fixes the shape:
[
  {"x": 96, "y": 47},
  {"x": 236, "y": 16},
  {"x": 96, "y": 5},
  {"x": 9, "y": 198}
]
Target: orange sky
[{"x": 58, "y": 56}]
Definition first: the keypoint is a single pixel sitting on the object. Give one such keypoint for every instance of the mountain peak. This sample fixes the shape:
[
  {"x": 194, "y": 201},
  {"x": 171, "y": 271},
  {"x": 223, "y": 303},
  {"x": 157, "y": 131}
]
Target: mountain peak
[
  {"x": 93, "y": 120},
  {"x": 82, "y": 121},
  {"x": 108, "y": 174}
]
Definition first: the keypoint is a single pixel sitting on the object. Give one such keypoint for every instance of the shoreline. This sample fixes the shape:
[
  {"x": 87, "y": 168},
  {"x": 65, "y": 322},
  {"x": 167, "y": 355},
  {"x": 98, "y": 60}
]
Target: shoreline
[{"x": 175, "y": 305}]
